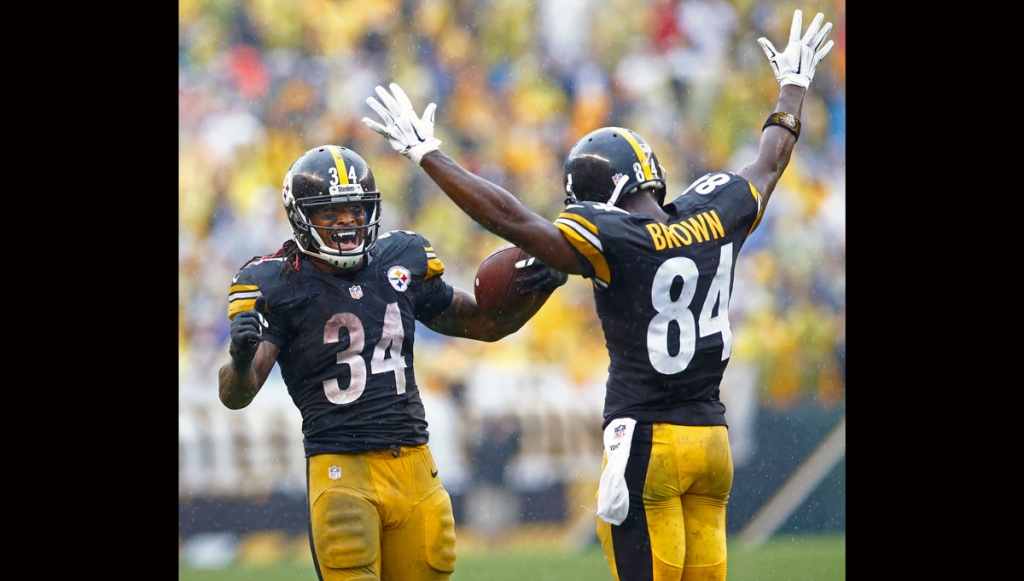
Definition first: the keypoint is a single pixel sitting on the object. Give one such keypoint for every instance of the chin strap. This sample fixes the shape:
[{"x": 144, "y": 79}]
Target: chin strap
[{"x": 618, "y": 190}]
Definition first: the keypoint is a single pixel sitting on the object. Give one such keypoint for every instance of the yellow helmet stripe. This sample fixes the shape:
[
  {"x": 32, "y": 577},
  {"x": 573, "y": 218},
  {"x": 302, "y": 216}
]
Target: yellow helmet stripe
[
  {"x": 339, "y": 161},
  {"x": 644, "y": 161}
]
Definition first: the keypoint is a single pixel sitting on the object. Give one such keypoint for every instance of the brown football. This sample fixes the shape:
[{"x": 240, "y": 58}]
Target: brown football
[{"x": 494, "y": 285}]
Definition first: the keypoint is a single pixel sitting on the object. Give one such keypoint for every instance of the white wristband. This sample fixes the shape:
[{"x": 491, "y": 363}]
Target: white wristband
[{"x": 417, "y": 151}]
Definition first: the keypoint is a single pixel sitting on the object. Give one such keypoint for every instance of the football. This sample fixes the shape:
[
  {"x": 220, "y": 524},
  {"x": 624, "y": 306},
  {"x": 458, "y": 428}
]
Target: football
[{"x": 494, "y": 285}]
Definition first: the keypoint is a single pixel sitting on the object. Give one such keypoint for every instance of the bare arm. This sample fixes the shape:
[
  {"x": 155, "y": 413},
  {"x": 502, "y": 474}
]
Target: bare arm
[
  {"x": 487, "y": 203},
  {"x": 794, "y": 69},
  {"x": 776, "y": 145},
  {"x": 501, "y": 213},
  {"x": 238, "y": 387},
  {"x": 463, "y": 319}
]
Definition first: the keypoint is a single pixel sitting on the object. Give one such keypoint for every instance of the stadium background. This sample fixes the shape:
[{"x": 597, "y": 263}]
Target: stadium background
[{"x": 515, "y": 425}]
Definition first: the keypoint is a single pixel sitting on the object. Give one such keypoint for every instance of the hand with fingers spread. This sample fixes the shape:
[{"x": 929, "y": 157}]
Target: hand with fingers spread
[
  {"x": 796, "y": 65},
  {"x": 544, "y": 278},
  {"x": 247, "y": 334},
  {"x": 409, "y": 134}
]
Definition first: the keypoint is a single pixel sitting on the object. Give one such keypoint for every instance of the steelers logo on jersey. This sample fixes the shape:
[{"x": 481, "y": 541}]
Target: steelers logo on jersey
[{"x": 399, "y": 278}]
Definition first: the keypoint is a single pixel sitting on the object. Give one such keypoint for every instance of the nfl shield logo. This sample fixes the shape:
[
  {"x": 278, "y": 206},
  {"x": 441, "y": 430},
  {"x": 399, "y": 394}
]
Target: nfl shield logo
[
  {"x": 620, "y": 431},
  {"x": 334, "y": 473},
  {"x": 356, "y": 291}
]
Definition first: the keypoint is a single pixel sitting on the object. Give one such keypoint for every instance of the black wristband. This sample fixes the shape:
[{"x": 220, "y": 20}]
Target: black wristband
[{"x": 784, "y": 120}]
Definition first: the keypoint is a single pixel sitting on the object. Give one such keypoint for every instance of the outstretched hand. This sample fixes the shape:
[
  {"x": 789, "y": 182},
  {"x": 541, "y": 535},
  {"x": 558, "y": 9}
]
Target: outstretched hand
[
  {"x": 796, "y": 65},
  {"x": 247, "y": 334},
  {"x": 544, "y": 278},
  {"x": 408, "y": 134}
]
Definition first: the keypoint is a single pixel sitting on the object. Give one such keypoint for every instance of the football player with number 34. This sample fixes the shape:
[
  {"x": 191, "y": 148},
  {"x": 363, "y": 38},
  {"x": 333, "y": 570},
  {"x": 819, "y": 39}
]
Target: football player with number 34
[
  {"x": 336, "y": 308},
  {"x": 662, "y": 276}
]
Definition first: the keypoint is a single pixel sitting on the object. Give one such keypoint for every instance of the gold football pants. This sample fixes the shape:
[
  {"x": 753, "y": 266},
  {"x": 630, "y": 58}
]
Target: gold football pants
[
  {"x": 679, "y": 479},
  {"x": 380, "y": 515}
]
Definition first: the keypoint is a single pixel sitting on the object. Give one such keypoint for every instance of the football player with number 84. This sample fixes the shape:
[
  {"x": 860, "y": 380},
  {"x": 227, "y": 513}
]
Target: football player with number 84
[{"x": 662, "y": 277}]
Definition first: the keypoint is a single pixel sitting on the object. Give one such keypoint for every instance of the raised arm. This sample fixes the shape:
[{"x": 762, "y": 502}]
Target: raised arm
[
  {"x": 497, "y": 210},
  {"x": 488, "y": 204},
  {"x": 794, "y": 69}
]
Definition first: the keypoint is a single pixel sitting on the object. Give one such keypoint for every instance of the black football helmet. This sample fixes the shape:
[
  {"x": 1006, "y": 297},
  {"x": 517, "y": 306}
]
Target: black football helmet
[
  {"x": 610, "y": 163},
  {"x": 325, "y": 175}
]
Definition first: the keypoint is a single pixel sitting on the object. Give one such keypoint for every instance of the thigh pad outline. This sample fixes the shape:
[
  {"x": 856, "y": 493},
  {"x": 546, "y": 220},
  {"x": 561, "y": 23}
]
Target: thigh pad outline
[
  {"x": 346, "y": 530},
  {"x": 439, "y": 530}
]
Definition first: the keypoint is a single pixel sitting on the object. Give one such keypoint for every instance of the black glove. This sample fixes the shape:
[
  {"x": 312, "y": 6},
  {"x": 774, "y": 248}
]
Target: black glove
[
  {"x": 247, "y": 333},
  {"x": 544, "y": 279}
]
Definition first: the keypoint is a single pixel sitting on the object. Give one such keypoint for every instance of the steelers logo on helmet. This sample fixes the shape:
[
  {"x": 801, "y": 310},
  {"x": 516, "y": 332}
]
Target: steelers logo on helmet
[
  {"x": 323, "y": 176},
  {"x": 610, "y": 163}
]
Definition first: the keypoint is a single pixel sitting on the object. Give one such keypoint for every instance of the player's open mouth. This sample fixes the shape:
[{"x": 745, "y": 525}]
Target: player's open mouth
[{"x": 349, "y": 240}]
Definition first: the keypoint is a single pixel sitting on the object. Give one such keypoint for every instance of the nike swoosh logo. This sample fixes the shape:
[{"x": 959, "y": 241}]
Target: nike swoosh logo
[
  {"x": 234, "y": 279},
  {"x": 433, "y": 473}
]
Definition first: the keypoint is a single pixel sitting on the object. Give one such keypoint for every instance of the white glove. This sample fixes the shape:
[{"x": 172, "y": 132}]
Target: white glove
[
  {"x": 409, "y": 135},
  {"x": 796, "y": 65}
]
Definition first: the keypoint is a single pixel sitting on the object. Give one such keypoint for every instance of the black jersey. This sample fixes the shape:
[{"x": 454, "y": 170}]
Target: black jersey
[
  {"x": 662, "y": 294},
  {"x": 347, "y": 341}
]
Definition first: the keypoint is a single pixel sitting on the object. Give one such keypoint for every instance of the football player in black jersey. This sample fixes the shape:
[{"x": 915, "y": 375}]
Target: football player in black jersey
[
  {"x": 336, "y": 308},
  {"x": 662, "y": 277}
]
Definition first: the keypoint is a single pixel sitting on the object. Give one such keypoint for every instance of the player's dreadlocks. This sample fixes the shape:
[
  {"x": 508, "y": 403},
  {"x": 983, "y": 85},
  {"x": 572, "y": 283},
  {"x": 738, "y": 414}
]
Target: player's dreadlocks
[{"x": 289, "y": 251}]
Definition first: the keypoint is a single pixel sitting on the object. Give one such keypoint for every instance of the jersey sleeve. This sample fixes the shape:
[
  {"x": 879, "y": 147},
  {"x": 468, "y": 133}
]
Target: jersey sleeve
[
  {"x": 259, "y": 279},
  {"x": 436, "y": 294},
  {"x": 244, "y": 291},
  {"x": 760, "y": 208},
  {"x": 435, "y": 268},
  {"x": 579, "y": 225}
]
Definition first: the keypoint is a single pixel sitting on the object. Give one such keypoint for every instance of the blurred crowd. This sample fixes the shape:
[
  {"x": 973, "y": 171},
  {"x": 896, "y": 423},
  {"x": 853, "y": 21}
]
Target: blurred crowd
[{"x": 516, "y": 84}]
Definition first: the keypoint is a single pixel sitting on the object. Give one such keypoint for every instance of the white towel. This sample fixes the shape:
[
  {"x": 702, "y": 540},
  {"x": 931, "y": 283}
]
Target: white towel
[{"x": 612, "y": 495}]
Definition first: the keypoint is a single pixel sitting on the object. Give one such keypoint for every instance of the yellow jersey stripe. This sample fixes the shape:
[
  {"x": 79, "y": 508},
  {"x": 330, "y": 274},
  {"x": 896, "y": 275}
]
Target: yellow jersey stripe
[
  {"x": 434, "y": 265},
  {"x": 760, "y": 208},
  {"x": 593, "y": 254},
  {"x": 434, "y": 268},
  {"x": 579, "y": 220},
  {"x": 240, "y": 305}
]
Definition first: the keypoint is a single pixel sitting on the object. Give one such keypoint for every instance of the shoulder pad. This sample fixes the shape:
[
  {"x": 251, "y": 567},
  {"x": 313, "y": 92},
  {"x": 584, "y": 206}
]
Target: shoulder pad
[
  {"x": 411, "y": 250},
  {"x": 250, "y": 283}
]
